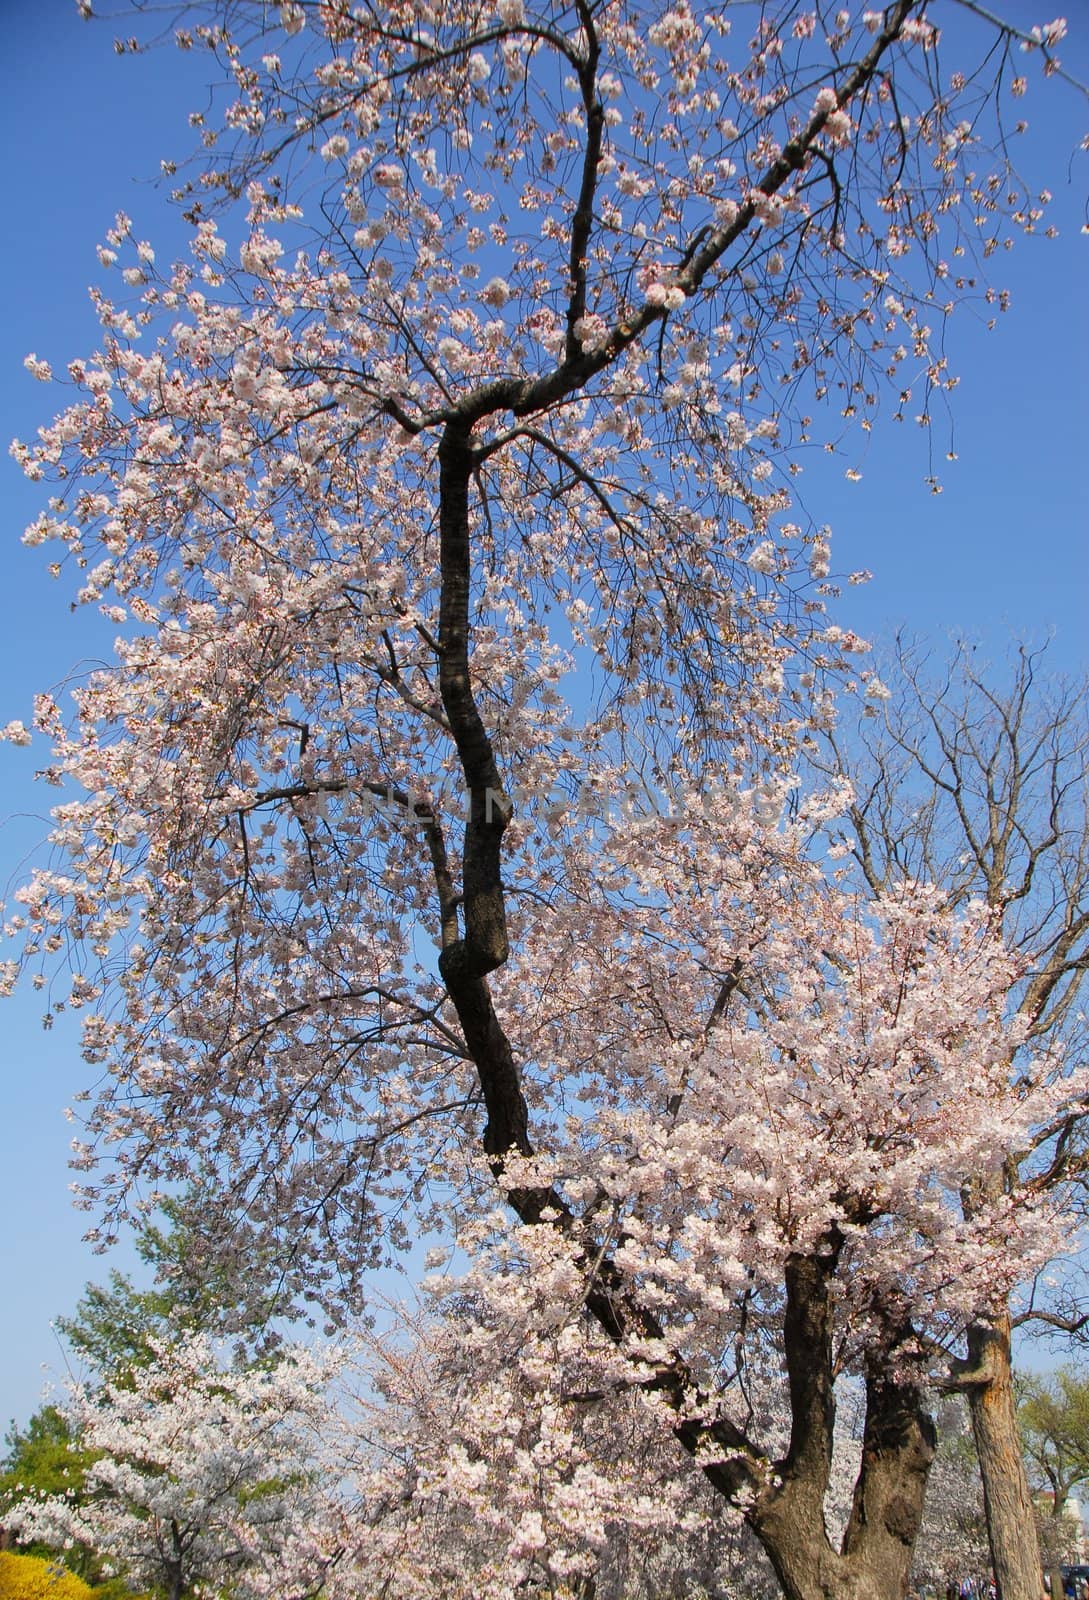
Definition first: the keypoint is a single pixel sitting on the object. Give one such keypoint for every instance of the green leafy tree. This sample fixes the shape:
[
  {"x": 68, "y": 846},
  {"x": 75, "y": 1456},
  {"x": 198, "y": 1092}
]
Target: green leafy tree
[
  {"x": 117, "y": 1327},
  {"x": 1053, "y": 1413},
  {"x": 1054, "y": 1417},
  {"x": 112, "y": 1324},
  {"x": 45, "y": 1459},
  {"x": 41, "y": 1457}
]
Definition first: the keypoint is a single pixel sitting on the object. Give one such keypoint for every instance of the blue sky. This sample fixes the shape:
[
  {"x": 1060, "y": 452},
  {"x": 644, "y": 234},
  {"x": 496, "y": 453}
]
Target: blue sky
[{"x": 1002, "y": 548}]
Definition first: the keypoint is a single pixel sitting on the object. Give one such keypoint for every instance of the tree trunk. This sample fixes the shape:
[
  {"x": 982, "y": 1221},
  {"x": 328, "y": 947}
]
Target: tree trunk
[
  {"x": 874, "y": 1562},
  {"x": 1007, "y": 1504},
  {"x": 897, "y": 1451}
]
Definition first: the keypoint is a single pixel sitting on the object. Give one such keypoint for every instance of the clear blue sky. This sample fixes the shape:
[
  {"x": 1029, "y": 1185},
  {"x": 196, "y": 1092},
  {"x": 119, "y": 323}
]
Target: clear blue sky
[{"x": 1004, "y": 547}]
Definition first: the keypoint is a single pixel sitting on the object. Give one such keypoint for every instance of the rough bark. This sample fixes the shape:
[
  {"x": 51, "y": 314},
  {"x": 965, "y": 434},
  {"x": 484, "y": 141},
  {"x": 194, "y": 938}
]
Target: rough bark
[
  {"x": 874, "y": 1562},
  {"x": 1011, "y": 1525},
  {"x": 789, "y": 1521},
  {"x": 897, "y": 1450}
]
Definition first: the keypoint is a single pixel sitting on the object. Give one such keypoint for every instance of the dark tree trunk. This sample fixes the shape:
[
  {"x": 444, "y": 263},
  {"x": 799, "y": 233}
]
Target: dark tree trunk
[
  {"x": 874, "y": 1562},
  {"x": 897, "y": 1450}
]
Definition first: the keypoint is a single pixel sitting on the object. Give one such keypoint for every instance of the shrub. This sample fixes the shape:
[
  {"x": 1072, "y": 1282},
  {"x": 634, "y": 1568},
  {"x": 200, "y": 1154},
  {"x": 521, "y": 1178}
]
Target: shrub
[{"x": 34, "y": 1578}]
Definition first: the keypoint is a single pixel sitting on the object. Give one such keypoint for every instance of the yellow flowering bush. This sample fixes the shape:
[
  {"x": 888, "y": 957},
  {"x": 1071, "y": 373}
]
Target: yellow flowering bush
[{"x": 34, "y": 1578}]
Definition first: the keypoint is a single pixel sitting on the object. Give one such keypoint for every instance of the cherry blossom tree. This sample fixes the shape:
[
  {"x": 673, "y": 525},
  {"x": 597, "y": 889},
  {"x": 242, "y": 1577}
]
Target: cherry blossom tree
[
  {"x": 795, "y": 1217},
  {"x": 199, "y": 1477},
  {"x": 976, "y": 778},
  {"x": 783, "y": 1182},
  {"x": 479, "y": 1473},
  {"x": 423, "y": 857}
]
